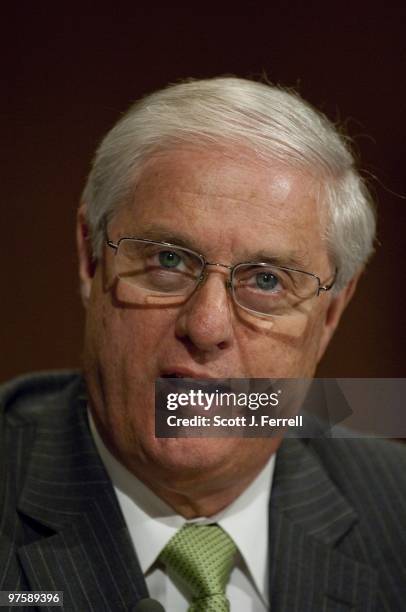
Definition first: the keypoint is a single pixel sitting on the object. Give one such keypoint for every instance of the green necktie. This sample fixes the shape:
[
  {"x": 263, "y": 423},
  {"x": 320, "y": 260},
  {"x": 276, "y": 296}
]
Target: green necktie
[{"x": 201, "y": 557}]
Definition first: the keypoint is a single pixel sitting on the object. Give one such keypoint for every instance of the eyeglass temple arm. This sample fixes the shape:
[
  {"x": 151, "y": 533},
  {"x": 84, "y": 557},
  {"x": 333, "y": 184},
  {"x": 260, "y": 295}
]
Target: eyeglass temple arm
[
  {"x": 330, "y": 285},
  {"x": 111, "y": 244}
]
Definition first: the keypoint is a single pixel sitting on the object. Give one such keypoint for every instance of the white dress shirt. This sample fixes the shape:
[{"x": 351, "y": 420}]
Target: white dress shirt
[{"x": 152, "y": 523}]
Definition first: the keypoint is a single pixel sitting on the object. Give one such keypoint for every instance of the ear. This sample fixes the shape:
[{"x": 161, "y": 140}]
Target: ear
[
  {"x": 335, "y": 309},
  {"x": 86, "y": 261}
]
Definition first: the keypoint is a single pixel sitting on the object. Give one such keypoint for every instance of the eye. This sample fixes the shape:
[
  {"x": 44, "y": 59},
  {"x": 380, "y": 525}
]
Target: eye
[
  {"x": 266, "y": 281},
  {"x": 169, "y": 259}
]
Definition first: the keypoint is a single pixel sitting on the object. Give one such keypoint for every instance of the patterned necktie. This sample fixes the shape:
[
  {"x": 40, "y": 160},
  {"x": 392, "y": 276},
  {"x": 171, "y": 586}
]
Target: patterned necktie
[{"x": 201, "y": 558}]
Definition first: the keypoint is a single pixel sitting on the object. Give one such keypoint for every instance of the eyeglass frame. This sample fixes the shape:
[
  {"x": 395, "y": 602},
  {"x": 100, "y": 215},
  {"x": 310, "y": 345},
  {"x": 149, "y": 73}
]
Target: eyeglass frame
[{"x": 229, "y": 283}]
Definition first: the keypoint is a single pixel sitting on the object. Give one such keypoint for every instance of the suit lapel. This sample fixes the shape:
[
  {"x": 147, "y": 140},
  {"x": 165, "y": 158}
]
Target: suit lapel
[
  {"x": 85, "y": 549},
  {"x": 308, "y": 517}
]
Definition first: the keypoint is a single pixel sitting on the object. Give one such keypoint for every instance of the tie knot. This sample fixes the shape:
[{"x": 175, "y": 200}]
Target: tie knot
[{"x": 201, "y": 557}]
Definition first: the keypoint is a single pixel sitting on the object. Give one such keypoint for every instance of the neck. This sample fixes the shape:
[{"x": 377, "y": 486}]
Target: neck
[{"x": 194, "y": 501}]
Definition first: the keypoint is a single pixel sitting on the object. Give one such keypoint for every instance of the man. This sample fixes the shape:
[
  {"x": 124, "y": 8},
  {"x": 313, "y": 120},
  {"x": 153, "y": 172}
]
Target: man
[{"x": 222, "y": 232}]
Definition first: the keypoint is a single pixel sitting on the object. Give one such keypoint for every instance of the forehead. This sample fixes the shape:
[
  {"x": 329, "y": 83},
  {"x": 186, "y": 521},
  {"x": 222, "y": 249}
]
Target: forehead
[{"x": 222, "y": 202}]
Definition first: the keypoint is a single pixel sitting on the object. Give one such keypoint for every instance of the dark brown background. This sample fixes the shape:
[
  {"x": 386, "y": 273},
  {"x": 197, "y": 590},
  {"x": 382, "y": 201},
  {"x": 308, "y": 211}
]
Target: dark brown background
[{"x": 67, "y": 77}]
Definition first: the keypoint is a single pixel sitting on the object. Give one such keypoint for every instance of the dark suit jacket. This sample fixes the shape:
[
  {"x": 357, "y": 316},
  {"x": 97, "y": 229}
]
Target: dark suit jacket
[{"x": 337, "y": 513}]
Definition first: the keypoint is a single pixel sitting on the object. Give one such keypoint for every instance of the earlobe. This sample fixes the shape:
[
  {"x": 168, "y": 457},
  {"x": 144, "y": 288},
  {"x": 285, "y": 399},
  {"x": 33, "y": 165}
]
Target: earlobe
[{"x": 86, "y": 261}]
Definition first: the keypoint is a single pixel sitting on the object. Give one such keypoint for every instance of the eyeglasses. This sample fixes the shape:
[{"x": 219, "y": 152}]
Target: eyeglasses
[{"x": 160, "y": 272}]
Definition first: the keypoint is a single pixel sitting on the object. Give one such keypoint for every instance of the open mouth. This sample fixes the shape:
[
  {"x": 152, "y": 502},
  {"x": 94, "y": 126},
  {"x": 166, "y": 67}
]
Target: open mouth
[
  {"x": 195, "y": 383},
  {"x": 173, "y": 375}
]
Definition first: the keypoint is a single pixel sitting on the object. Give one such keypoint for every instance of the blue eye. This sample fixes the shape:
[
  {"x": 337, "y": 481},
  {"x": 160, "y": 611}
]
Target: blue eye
[
  {"x": 169, "y": 259},
  {"x": 266, "y": 281}
]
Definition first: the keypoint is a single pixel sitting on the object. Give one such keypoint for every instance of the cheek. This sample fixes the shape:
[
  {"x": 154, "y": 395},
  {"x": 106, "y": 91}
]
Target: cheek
[
  {"x": 134, "y": 337},
  {"x": 310, "y": 342},
  {"x": 272, "y": 353},
  {"x": 122, "y": 344}
]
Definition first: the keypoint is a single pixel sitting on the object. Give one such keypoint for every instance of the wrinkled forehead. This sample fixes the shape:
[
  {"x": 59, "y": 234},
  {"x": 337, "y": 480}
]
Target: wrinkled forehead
[{"x": 226, "y": 201}]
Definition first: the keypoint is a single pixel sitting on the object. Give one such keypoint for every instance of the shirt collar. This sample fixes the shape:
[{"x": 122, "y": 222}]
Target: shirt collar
[{"x": 152, "y": 523}]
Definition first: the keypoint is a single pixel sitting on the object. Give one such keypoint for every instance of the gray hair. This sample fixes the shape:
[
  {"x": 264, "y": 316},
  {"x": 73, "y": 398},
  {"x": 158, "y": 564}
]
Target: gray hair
[{"x": 273, "y": 122}]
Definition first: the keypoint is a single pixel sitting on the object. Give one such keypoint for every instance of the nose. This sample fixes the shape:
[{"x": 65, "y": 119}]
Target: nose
[{"x": 206, "y": 318}]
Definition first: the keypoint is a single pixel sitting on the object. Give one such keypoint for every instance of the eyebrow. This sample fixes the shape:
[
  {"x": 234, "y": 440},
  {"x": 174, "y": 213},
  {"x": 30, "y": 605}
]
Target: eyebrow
[
  {"x": 290, "y": 259},
  {"x": 163, "y": 235}
]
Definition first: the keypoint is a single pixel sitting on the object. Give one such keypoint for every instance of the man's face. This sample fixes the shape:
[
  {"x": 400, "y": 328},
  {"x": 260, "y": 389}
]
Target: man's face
[{"x": 230, "y": 209}]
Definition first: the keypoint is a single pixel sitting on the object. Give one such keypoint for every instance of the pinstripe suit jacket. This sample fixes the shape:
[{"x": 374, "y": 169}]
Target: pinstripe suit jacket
[{"x": 337, "y": 513}]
